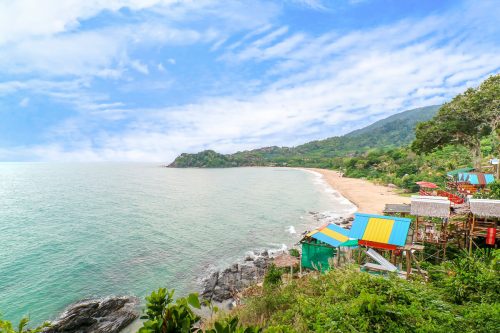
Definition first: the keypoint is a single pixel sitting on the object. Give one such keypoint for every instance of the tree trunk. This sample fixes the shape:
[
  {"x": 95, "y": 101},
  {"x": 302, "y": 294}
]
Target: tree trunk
[{"x": 476, "y": 154}]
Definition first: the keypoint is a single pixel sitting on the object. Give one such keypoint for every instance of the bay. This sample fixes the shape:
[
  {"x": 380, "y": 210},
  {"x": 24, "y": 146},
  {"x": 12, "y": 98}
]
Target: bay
[{"x": 70, "y": 231}]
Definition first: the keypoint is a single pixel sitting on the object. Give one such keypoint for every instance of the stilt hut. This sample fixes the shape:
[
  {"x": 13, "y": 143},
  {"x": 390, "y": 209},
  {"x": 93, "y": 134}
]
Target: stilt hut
[
  {"x": 485, "y": 214},
  {"x": 431, "y": 221},
  {"x": 384, "y": 233}
]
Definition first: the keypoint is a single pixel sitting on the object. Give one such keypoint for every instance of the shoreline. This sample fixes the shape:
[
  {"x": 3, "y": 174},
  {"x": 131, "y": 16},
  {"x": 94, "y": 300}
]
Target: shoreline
[{"x": 366, "y": 196}]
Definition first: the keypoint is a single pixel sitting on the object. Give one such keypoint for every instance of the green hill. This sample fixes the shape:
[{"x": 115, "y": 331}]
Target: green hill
[{"x": 395, "y": 131}]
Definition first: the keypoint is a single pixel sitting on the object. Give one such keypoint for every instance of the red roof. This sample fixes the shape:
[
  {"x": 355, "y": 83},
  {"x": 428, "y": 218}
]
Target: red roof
[{"x": 426, "y": 184}]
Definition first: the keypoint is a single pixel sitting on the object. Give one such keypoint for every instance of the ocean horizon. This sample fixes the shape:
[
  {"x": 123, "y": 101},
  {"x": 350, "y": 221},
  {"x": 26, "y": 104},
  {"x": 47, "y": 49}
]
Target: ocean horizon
[{"x": 72, "y": 231}]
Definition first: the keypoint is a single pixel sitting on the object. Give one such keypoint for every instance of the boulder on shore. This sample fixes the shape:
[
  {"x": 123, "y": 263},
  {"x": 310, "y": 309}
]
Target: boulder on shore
[
  {"x": 106, "y": 315},
  {"x": 225, "y": 285}
]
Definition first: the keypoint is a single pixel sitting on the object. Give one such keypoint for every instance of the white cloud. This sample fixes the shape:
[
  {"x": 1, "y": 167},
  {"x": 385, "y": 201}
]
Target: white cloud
[
  {"x": 171, "y": 61},
  {"x": 314, "y": 4},
  {"x": 140, "y": 67},
  {"x": 24, "y": 19},
  {"x": 45, "y": 37},
  {"x": 312, "y": 87},
  {"x": 24, "y": 102}
]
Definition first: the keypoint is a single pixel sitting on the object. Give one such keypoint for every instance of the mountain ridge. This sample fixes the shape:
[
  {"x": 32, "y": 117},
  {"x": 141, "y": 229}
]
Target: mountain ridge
[{"x": 394, "y": 131}]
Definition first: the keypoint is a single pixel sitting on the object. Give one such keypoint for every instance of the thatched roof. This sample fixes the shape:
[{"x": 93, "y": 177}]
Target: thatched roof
[
  {"x": 430, "y": 206},
  {"x": 485, "y": 207},
  {"x": 397, "y": 208},
  {"x": 285, "y": 260}
]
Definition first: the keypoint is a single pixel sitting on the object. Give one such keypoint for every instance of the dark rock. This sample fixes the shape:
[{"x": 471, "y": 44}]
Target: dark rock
[
  {"x": 260, "y": 262},
  {"x": 225, "y": 285},
  {"x": 108, "y": 315}
]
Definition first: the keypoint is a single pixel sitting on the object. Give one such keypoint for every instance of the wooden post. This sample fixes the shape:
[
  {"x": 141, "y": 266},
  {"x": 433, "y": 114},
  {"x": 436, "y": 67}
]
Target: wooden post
[
  {"x": 416, "y": 263},
  {"x": 408, "y": 263},
  {"x": 300, "y": 265},
  {"x": 416, "y": 230},
  {"x": 471, "y": 233},
  {"x": 445, "y": 236}
]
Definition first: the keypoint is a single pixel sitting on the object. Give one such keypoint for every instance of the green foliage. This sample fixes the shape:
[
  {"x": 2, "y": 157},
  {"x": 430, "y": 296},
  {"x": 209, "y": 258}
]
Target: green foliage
[
  {"x": 473, "y": 278},
  {"x": 482, "y": 318},
  {"x": 7, "y": 327},
  {"x": 231, "y": 326},
  {"x": 465, "y": 120},
  {"x": 493, "y": 191},
  {"x": 166, "y": 316},
  {"x": 294, "y": 253},
  {"x": 402, "y": 167},
  {"x": 272, "y": 277},
  {"x": 346, "y": 300}
]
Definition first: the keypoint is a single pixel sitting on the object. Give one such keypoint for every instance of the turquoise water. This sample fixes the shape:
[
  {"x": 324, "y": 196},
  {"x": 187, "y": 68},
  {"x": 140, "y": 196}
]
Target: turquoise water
[{"x": 71, "y": 231}]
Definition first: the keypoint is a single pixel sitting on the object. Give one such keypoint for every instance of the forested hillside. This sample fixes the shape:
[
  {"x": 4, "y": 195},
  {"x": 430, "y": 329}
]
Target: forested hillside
[{"x": 395, "y": 131}]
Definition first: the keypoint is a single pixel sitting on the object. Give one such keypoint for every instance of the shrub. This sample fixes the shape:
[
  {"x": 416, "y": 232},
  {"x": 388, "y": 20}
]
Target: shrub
[
  {"x": 165, "y": 316},
  {"x": 294, "y": 253},
  {"x": 272, "y": 277},
  {"x": 346, "y": 300},
  {"x": 6, "y": 326},
  {"x": 482, "y": 318},
  {"x": 473, "y": 278}
]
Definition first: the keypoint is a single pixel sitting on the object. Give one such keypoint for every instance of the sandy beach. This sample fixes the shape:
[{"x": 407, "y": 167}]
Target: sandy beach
[{"x": 367, "y": 196}]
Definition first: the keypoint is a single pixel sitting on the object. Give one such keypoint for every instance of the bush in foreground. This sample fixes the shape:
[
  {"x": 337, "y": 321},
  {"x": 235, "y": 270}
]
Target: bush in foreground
[{"x": 347, "y": 300}]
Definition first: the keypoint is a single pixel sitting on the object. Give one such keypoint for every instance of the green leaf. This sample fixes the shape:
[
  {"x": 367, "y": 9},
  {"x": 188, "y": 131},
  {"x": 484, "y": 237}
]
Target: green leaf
[{"x": 194, "y": 301}]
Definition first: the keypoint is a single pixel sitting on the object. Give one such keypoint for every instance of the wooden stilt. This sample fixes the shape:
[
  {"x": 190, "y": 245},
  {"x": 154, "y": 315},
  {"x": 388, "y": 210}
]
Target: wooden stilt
[
  {"x": 300, "y": 266},
  {"x": 471, "y": 233},
  {"x": 416, "y": 263},
  {"x": 408, "y": 263},
  {"x": 445, "y": 238}
]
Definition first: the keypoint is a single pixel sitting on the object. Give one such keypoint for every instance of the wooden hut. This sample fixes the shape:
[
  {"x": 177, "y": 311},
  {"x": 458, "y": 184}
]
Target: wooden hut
[
  {"x": 387, "y": 234},
  {"x": 321, "y": 245},
  {"x": 426, "y": 229},
  {"x": 485, "y": 214}
]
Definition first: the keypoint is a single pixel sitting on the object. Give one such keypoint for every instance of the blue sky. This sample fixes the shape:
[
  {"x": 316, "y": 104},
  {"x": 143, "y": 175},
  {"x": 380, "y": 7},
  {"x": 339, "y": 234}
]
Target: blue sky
[{"x": 144, "y": 80}]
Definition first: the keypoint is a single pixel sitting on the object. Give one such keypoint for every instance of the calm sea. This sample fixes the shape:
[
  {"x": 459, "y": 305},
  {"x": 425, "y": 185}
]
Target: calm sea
[{"x": 73, "y": 231}]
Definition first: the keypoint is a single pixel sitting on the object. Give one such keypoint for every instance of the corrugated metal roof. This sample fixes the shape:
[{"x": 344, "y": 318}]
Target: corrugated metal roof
[
  {"x": 476, "y": 178},
  {"x": 381, "y": 229},
  {"x": 331, "y": 234},
  {"x": 456, "y": 172}
]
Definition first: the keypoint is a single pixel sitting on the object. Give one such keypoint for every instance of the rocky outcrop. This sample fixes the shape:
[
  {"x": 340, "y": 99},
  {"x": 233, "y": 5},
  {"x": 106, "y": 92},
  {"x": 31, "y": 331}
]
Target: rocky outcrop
[
  {"x": 107, "y": 315},
  {"x": 225, "y": 285},
  {"x": 322, "y": 218}
]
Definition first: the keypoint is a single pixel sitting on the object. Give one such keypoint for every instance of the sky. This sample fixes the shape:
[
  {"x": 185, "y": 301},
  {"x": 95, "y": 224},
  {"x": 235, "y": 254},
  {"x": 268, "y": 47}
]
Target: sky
[{"x": 145, "y": 80}]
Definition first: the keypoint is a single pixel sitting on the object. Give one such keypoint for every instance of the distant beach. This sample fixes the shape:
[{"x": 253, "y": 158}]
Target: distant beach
[{"x": 367, "y": 196}]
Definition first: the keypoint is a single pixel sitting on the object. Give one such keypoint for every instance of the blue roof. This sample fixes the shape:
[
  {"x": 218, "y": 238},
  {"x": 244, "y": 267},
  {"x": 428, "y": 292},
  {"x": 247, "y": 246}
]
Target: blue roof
[
  {"x": 331, "y": 234},
  {"x": 394, "y": 234},
  {"x": 476, "y": 178}
]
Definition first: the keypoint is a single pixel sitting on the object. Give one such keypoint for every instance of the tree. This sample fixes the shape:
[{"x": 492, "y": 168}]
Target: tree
[{"x": 463, "y": 121}]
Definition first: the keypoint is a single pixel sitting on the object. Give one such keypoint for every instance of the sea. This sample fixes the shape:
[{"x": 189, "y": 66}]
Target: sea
[{"x": 70, "y": 231}]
